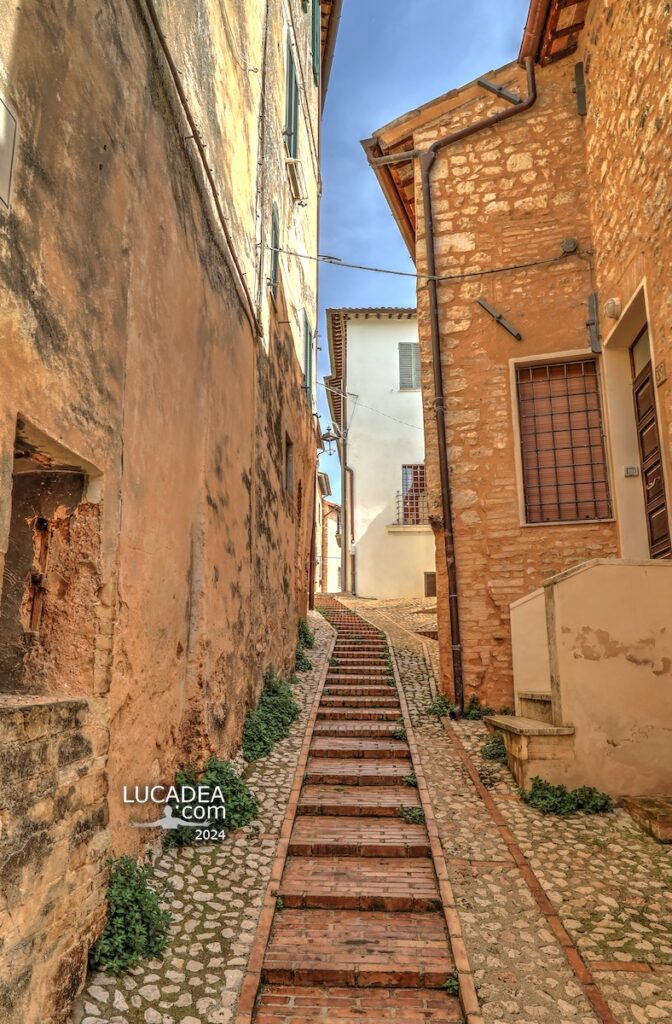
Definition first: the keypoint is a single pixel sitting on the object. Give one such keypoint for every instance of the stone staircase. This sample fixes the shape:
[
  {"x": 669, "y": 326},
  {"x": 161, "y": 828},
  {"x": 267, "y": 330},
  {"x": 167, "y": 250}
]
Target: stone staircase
[{"x": 359, "y": 933}]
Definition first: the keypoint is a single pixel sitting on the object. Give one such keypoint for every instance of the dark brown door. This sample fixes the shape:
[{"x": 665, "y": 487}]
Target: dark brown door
[{"x": 655, "y": 500}]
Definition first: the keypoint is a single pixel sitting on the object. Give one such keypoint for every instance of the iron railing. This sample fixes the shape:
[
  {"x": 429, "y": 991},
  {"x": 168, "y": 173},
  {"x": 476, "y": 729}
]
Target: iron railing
[{"x": 412, "y": 508}]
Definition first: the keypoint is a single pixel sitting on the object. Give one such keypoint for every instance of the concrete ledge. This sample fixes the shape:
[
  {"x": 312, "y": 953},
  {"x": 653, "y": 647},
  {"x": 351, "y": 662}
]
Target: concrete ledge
[
  {"x": 408, "y": 528},
  {"x": 520, "y": 726}
]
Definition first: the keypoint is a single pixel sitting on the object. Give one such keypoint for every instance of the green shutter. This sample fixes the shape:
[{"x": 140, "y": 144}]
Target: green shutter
[
  {"x": 307, "y": 357},
  {"x": 317, "y": 40},
  {"x": 275, "y": 255},
  {"x": 409, "y": 365},
  {"x": 291, "y": 104}
]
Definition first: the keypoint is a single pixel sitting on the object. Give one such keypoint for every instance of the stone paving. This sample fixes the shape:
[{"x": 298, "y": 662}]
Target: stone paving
[
  {"x": 609, "y": 882},
  {"x": 219, "y": 889}
]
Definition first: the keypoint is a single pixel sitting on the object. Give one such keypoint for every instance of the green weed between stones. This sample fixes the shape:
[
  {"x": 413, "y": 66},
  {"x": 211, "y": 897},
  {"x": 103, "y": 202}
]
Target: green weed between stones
[
  {"x": 550, "y": 799},
  {"x": 451, "y": 985},
  {"x": 302, "y": 662},
  {"x": 137, "y": 926},
  {"x": 399, "y": 733},
  {"x": 412, "y": 815},
  {"x": 271, "y": 719},
  {"x": 494, "y": 749},
  {"x": 240, "y": 804},
  {"x": 411, "y": 780},
  {"x": 306, "y": 635},
  {"x": 440, "y": 706}
]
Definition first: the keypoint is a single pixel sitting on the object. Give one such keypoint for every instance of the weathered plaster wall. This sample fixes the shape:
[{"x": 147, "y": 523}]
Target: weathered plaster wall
[
  {"x": 54, "y": 812},
  {"x": 627, "y": 55},
  {"x": 508, "y": 195},
  {"x": 330, "y": 558},
  {"x": 611, "y": 670},
  {"x": 124, "y": 339}
]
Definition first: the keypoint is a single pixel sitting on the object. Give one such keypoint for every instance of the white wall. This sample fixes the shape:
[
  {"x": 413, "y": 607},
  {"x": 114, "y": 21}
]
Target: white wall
[
  {"x": 389, "y": 562},
  {"x": 333, "y": 556}
]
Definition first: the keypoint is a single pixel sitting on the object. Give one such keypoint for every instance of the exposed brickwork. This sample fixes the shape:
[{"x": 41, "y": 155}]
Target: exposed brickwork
[{"x": 53, "y": 844}]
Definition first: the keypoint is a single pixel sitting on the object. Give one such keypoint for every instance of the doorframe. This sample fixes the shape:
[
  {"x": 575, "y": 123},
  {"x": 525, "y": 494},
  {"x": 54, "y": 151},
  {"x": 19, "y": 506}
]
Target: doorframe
[{"x": 628, "y": 493}]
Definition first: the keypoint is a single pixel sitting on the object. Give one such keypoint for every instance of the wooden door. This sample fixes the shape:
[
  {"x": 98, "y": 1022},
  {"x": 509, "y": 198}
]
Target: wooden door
[{"x": 655, "y": 500}]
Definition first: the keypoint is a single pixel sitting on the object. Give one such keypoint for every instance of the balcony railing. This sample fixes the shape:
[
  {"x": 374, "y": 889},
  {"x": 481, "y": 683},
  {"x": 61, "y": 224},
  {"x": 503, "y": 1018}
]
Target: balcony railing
[{"x": 412, "y": 509}]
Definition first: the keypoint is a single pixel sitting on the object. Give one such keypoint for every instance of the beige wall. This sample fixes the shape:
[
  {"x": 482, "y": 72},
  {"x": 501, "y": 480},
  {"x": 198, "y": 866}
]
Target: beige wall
[
  {"x": 529, "y": 643},
  {"x": 611, "y": 668},
  {"x": 127, "y": 347}
]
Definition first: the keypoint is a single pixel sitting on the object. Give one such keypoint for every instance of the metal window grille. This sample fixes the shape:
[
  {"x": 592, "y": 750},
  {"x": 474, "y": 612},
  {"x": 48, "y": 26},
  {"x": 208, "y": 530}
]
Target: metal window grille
[
  {"x": 565, "y": 475},
  {"x": 409, "y": 365},
  {"x": 412, "y": 499}
]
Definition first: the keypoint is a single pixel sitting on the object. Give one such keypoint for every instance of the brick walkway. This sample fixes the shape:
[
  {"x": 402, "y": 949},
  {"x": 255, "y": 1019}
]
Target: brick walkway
[
  {"x": 566, "y": 921},
  {"x": 365, "y": 926}
]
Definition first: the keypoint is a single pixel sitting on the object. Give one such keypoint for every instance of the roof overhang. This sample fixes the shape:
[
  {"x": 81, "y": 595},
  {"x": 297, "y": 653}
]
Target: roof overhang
[
  {"x": 552, "y": 29},
  {"x": 330, "y": 11},
  {"x": 337, "y": 335},
  {"x": 323, "y": 483}
]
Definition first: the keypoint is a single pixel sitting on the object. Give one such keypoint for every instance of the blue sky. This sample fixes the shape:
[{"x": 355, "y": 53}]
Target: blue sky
[{"x": 391, "y": 56}]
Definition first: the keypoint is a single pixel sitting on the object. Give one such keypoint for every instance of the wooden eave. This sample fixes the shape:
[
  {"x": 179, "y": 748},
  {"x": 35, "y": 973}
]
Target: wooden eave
[
  {"x": 330, "y": 16},
  {"x": 552, "y": 30},
  {"x": 398, "y": 180}
]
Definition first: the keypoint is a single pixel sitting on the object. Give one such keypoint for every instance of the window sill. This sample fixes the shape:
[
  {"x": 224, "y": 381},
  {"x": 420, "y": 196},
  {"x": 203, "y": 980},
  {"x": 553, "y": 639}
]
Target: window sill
[
  {"x": 570, "y": 522},
  {"x": 409, "y": 528}
]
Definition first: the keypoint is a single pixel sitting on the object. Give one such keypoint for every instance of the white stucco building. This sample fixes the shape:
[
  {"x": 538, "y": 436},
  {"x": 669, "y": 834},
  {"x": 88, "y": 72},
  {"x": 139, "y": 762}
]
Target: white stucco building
[
  {"x": 374, "y": 395},
  {"x": 328, "y": 536}
]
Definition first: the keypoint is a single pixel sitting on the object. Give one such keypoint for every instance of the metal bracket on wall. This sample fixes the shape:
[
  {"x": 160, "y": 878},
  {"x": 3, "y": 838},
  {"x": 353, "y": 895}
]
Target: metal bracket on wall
[
  {"x": 580, "y": 89},
  {"x": 593, "y": 324},
  {"x": 499, "y": 90},
  {"x": 491, "y": 311}
]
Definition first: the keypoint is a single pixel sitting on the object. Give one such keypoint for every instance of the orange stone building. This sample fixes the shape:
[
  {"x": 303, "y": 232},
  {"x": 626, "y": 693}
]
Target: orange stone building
[{"x": 536, "y": 201}]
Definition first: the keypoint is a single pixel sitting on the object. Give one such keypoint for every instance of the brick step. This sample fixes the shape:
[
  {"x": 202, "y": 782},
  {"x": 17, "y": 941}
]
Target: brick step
[
  {"x": 359, "y": 702},
  {"x": 360, "y": 883},
  {"x": 361, "y": 729},
  {"x": 365, "y": 647},
  {"x": 356, "y": 689},
  {"x": 365, "y": 668},
  {"x": 362, "y": 747},
  {"x": 283, "y": 1004},
  {"x": 338, "y": 679},
  {"x": 357, "y": 801},
  {"x": 376, "y": 714},
  {"x": 355, "y": 771},
  {"x": 345, "y": 947},
  {"x": 322, "y": 835}
]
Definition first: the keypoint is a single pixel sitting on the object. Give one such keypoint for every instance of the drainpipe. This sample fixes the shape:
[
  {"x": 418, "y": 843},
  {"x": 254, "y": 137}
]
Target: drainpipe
[{"x": 427, "y": 158}]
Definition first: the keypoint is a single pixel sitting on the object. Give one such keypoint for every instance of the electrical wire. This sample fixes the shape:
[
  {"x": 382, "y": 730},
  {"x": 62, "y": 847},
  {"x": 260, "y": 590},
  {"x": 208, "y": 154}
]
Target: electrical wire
[
  {"x": 335, "y": 261},
  {"x": 351, "y": 394}
]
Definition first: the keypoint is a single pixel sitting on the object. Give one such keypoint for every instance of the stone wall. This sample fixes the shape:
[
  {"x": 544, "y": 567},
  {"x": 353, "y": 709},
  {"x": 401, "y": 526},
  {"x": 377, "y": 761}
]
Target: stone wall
[
  {"x": 506, "y": 196},
  {"x": 53, "y": 841},
  {"x": 627, "y": 55}
]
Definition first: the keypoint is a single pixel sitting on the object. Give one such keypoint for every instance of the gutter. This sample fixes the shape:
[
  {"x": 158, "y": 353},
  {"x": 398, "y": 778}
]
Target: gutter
[
  {"x": 534, "y": 29},
  {"x": 427, "y": 158}
]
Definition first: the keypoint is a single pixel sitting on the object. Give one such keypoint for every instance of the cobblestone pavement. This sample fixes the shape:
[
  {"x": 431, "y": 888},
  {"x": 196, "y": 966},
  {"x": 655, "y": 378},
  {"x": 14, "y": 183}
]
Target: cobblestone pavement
[
  {"x": 608, "y": 882},
  {"x": 219, "y": 889}
]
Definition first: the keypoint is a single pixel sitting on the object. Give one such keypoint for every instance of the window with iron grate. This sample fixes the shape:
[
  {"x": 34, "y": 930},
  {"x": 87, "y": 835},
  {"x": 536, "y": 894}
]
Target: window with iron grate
[
  {"x": 413, "y": 495},
  {"x": 565, "y": 476}
]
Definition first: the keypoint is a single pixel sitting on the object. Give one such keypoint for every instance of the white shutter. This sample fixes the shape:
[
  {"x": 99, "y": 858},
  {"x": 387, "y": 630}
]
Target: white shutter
[{"x": 409, "y": 365}]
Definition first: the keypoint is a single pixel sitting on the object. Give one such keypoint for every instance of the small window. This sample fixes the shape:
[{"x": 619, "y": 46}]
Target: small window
[
  {"x": 316, "y": 41},
  {"x": 307, "y": 357},
  {"x": 275, "y": 254},
  {"x": 409, "y": 365},
  {"x": 289, "y": 465},
  {"x": 562, "y": 442},
  {"x": 413, "y": 510},
  {"x": 430, "y": 584},
  {"x": 291, "y": 132}
]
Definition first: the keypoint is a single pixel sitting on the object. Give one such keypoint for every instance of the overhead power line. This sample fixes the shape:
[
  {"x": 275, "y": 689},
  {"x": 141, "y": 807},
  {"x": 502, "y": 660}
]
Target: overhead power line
[
  {"x": 335, "y": 261},
  {"x": 351, "y": 394}
]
